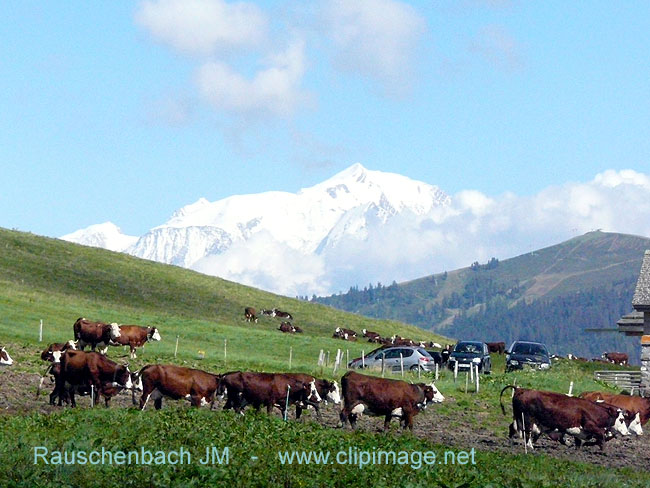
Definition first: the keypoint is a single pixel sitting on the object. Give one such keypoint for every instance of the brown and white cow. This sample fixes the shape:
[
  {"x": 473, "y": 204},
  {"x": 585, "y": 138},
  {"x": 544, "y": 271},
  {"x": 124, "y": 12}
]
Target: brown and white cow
[
  {"x": 345, "y": 334},
  {"x": 81, "y": 370},
  {"x": 176, "y": 382},
  {"x": 287, "y": 328},
  {"x": 499, "y": 347},
  {"x": 556, "y": 414},
  {"x": 370, "y": 335},
  {"x": 135, "y": 336},
  {"x": 55, "y": 350},
  {"x": 384, "y": 397},
  {"x": 616, "y": 357},
  {"x": 638, "y": 406},
  {"x": 281, "y": 314},
  {"x": 268, "y": 390},
  {"x": 401, "y": 341},
  {"x": 5, "y": 358},
  {"x": 327, "y": 390},
  {"x": 250, "y": 314},
  {"x": 87, "y": 332}
]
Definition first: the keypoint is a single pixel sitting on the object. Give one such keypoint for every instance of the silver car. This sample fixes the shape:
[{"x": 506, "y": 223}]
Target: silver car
[{"x": 412, "y": 356}]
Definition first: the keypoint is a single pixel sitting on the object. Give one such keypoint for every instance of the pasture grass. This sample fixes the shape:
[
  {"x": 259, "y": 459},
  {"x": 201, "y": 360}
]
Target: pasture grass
[{"x": 260, "y": 436}]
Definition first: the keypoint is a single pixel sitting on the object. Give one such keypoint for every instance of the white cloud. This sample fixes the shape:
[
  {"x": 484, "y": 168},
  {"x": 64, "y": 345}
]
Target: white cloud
[
  {"x": 498, "y": 47},
  {"x": 203, "y": 26},
  {"x": 377, "y": 38},
  {"x": 275, "y": 90},
  {"x": 265, "y": 263}
]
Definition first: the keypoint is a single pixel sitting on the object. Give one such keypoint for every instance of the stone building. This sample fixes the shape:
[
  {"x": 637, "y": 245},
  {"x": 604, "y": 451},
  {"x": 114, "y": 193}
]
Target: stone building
[{"x": 641, "y": 304}]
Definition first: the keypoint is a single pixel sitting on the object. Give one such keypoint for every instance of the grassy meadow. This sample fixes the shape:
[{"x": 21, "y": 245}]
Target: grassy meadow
[{"x": 57, "y": 282}]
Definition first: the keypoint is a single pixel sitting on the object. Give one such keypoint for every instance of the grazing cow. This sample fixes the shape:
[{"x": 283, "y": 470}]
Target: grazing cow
[
  {"x": 249, "y": 314},
  {"x": 616, "y": 357},
  {"x": 297, "y": 329},
  {"x": 636, "y": 405},
  {"x": 328, "y": 391},
  {"x": 54, "y": 370},
  {"x": 287, "y": 327},
  {"x": 270, "y": 313},
  {"x": 55, "y": 350},
  {"x": 401, "y": 341},
  {"x": 135, "y": 336},
  {"x": 576, "y": 358},
  {"x": 267, "y": 389},
  {"x": 384, "y": 397},
  {"x": 370, "y": 335},
  {"x": 90, "y": 369},
  {"x": 5, "y": 358},
  {"x": 345, "y": 334},
  {"x": 176, "y": 382},
  {"x": 281, "y": 314},
  {"x": 499, "y": 347},
  {"x": 95, "y": 333},
  {"x": 535, "y": 412}
]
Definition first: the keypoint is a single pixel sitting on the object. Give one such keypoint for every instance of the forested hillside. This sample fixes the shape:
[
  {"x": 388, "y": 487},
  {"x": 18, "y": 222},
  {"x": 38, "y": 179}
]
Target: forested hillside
[{"x": 551, "y": 295}]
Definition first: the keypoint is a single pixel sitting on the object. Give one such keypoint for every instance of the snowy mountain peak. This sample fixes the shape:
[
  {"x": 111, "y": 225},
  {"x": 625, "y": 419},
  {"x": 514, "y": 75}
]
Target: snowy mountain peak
[
  {"x": 249, "y": 231},
  {"x": 197, "y": 206},
  {"x": 106, "y": 235}
]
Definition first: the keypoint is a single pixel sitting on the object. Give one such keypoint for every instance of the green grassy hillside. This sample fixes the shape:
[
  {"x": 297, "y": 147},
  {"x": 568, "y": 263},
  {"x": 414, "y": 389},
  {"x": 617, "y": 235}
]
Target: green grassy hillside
[{"x": 57, "y": 282}]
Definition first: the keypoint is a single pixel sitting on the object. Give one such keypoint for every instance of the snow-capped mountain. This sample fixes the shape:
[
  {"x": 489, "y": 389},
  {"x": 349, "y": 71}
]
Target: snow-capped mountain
[
  {"x": 242, "y": 227},
  {"x": 106, "y": 235}
]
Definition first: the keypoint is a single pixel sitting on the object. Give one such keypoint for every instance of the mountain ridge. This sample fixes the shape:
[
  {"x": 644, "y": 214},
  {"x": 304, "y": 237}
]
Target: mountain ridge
[{"x": 483, "y": 301}]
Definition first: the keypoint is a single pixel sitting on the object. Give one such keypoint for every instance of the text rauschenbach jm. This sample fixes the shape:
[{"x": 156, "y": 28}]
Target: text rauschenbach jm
[{"x": 221, "y": 455}]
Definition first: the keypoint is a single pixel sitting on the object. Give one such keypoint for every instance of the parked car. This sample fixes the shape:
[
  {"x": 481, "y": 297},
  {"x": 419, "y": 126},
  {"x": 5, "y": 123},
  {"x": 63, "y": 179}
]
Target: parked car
[
  {"x": 524, "y": 353},
  {"x": 412, "y": 356},
  {"x": 466, "y": 353}
]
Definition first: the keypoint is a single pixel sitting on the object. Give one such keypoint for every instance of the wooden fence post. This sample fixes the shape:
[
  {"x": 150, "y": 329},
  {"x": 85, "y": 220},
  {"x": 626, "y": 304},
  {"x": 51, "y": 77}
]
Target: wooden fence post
[
  {"x": 176, "y": 348},
  {"x": 40, "y": 332}
]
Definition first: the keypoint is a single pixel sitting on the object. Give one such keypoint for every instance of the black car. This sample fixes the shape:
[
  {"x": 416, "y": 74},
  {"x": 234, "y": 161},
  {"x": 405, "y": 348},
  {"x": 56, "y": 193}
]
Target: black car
[
  {"x": 524, "y": 353},
  {"x": 466, "y": 353}
]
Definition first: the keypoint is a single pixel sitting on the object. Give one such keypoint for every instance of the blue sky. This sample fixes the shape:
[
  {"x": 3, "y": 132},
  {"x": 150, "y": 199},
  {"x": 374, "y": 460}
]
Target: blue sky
[{"x": 126, "y": 111}]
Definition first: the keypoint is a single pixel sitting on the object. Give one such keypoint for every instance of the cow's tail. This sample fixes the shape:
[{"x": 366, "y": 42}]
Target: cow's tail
[{"x": 503, "y": 409}]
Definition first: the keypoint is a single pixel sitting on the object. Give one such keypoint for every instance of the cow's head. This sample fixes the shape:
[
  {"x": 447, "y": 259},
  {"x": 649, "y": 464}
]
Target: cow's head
[
  {"x": 122, "y": 377},
  {"x": 333, "y": 393},
  {"x": 432, "y": 394},
  {"x": 221, "y": 390},
  {"x": 633, "y": 422},
  {"x": 115, "y": 330},
  {"x": 619, "y": 424},
  {"x": 313, "y": 393},
  {"x": 136, "y": 381},
  {"x": 70, "y": 345},
  {"x": 5, "y": 358},
  {"x": 153, "y": 334},
  {"x": 337, "y": 330}
]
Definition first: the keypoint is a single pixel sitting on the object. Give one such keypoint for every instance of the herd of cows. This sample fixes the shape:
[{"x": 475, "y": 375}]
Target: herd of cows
[{"x": 592, "y": 418}]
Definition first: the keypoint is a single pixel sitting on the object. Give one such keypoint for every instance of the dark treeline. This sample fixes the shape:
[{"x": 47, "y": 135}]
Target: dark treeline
[{"x": 560, "y": 322}]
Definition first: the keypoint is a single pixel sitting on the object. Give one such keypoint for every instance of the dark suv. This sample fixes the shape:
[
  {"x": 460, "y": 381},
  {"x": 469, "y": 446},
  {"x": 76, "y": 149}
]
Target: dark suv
[
  {"x": 524, "y": 353},
  {"x": 467, "y": 353}
]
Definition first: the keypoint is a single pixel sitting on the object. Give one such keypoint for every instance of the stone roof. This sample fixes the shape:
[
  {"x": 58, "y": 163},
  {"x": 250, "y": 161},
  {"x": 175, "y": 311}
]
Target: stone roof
[{"x": 641, "y": 299}]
